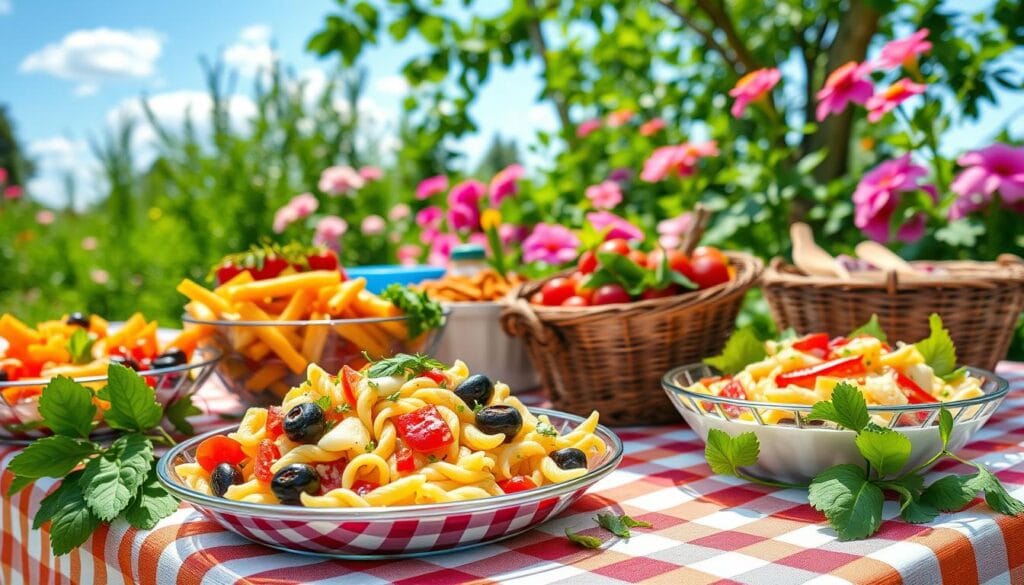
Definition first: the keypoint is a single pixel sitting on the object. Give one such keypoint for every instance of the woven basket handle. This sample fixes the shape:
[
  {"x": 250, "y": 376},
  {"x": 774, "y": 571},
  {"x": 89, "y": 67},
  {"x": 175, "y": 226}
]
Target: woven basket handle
[{"x": 518, "y": 319}]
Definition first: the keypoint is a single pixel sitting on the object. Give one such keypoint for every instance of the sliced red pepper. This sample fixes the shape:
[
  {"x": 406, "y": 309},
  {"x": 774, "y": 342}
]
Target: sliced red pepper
[
  {"x": 806, "y": 377},
  {"x": 518, "y": 483},
  {"x": 267, "y": 454},
  {"x": 915, "y": 394},
  {"x": 404, "y": 461},
  {"x": 330, "y": 474},
  {"x": 435, "y": 375},
  {"x": 815, "y": 344},
  {"x": 364, "y": 487},
  {"x": 275, "y": 422},
  {"x": 218, "y": 449},
  {"x": 349, "y": 379},
  {"x": 424, "y": 430}
]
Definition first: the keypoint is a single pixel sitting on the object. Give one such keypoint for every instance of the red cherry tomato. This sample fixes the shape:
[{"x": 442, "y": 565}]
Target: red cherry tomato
[
  {"x": 610, "y": 294},
  {"x": 218, "y": 449},
  {"x": 638, "y": 257},
  {"x": 653, "y": 293},
  {"x": 710, "y": 252},
  {"x": 267, "y": 454},
  {"x": 363, "y": 487},
  {"x": 227, "y": 271},
  {"x": 708, "y": 271},
  {"x": 435, "y": 375},
  {"x": 557, "y": 290},
  {"x": 815, "y": 344},
  {"x": 537, "y": 298},
  {"x": 576, "y": 301},
  {"x": 275, "y": 422},
  {"x": 517, "y": 483},
  {"x": 588, "y": 262},
  {"x": 616, "y": 246},
  {"x": 676, "y": 261},
  {"x": 424, "y": 430},
  {"x": 404, "y": 461},
  {"x": 349, "y": 379},
  {"x": 322, "y": 260},
  {"x": 330, "y": 474},
  {"x": 272, "y": 266}
]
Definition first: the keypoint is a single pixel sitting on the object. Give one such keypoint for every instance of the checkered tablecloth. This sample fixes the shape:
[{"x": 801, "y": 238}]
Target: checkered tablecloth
[{"x": 707, "y": 528}]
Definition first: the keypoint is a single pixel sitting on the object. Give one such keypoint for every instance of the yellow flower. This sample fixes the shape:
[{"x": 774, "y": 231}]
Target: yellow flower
[{"x": 490, "y": 219}]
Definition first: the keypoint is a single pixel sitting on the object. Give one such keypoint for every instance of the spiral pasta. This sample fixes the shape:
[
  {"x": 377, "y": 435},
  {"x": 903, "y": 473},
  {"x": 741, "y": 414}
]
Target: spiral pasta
[{"x": 414, "y": 436}]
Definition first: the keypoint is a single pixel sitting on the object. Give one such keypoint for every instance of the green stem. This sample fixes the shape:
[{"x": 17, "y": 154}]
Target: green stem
[
  {"x": 933, "y": 145},
  {"x": 164, "y": 437},
  {"x": 768, "y": 482},
  {"x": 917, "y": 469}
]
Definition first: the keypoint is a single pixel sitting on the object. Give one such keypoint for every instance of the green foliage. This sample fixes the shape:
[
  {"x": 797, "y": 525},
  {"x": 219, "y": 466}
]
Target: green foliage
[{"x": 742, "y": 349}]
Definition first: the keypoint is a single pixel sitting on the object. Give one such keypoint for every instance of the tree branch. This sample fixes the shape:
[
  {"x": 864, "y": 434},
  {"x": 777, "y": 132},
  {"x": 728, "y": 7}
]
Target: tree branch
[
  {"x": 704, "y": 33},
  {"x": 540, "y": 46},
  {"x": 715, "y": 10}
]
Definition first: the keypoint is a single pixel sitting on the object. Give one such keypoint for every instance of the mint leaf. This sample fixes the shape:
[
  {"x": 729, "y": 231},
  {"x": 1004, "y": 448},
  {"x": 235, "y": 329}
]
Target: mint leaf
[
  {"x": 613, "y": 524},
  {"x": 950, "y": 493},
  {"x": 66, "y": 407},
  {"x": 110, "y": 481},
  {"x": 55, "y": 500},
  {"x": 152, "y": 504},
  {"x": 846, "y": 408},
  {"x": 955, "y": 374},
  {"x": 665, "y": 276},
  {"x": 742, "y": 349},
  {"x": 851, "y": 503},
  {"x": 403, "y": 364},
  {"x": 631, "y": 523},
  {"x": 884, "y": 448},
  {"x": 133, "y": 405},
  {"x": 938, "y": 349},
  {"x": 421, "y": 312},
  {"x": 617, "y": 269},
  {"x": 51, "y": 457},
  {"x": 80, "y": 347},
  {"x": 912, "y": 509},
  {"x": 996, "y": 495},
  {"x": 872, "y": 328},
  {"x": 726, "y": 454},
  {"x": 73, "y": 522},
  {"x": 917, "y": 512},
  {"x": 583, "y": 540},
  {"x": 179, "y": 411},
  {"x": 945, "y": 427},
  {"x": 19, "y": 483},
  {"x": 324, "y": 402}
]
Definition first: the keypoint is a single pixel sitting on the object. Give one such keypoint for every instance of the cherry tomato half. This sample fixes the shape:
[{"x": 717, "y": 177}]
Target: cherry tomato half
[
  {"x": 267, "y": 454},
  {"x": 517, "y": 483},
  {"x": 218, "y": 449}
]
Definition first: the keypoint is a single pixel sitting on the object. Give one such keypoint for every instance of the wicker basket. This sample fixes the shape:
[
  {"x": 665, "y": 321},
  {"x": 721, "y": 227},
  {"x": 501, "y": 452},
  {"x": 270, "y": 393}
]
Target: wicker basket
[
  {"x": 611, "y": 358},
  {"x": 979, "y": 303}
]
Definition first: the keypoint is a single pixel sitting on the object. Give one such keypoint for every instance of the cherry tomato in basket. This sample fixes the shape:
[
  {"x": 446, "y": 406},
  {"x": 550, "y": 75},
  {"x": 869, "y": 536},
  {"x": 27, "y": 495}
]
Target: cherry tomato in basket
[
  {"x": 349, "y": 379},
  {"x": 610, "y": 294},
  {"x": 677, "y": 261},
  {"x": 404, "y": 461},
  {"x": 275, "y": 422},
  {"x": 537, "y": 298},
  {"x": 576, "y": 301},
  {"x": 639, "y": 257},
  {"x": 708, "y": 271},
  {"x": 364, "y": 487},
  {"x": 517, "y": 483},
  {"x": 588, "y": 262},
  {"x": 709, "y": 252},
  {"x": 654, "y": 293},
  {"x": 218, "y": 449},
  {"x": 556, "y": 290},
  {"x": 616, "y": 246},
  {"x": 806, "y": 377},
  {"x": 330, "y": 474},
  {"x": 267, "y": 454},
  {"x": 424, "y": 430},
  {"x": 815, "y": 344}
]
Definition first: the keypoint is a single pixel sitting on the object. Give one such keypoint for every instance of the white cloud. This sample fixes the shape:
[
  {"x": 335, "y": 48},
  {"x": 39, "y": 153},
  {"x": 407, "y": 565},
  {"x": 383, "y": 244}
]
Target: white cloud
[
  {"x": 252, "y": 53},
  {"x": 256, "y": 33},
  {"x": 58, "y": 158},
  {"x": 92, "y": 57},
  {"x": 6, "y": 7},
  {"x": 391, "y": 85},
  {"x": 542, "y": 116}
]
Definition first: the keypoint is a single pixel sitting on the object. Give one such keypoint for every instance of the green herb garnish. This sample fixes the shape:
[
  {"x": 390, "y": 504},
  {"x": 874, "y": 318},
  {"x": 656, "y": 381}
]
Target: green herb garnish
[
  {"x": 432, "y": 458},
  {"x": 404, "y": 364},
  {"x": 324, "y": 402},
  {"x": 422, "y": 313},
  {"x": 394, "y": 396},
  {"x": 371, "y": 446},
  {"x": 938, "y": 349},
  {"x": 742, "y": 348},
  {"x": 80, "y": 347},
  {"x": 635, "y": 279},
  {"x": 872, "y": 328},
  {"x": 582, "y": 539},
  {"x": 546, "y": 429}
]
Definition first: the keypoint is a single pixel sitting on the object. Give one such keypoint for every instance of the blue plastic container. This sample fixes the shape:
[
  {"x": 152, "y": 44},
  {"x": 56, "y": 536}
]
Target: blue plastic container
[{"x": 379, "y": 277}]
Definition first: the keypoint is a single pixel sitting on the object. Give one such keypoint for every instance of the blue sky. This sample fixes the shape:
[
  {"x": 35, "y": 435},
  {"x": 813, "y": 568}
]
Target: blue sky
[{"x": 67, "y": 69}]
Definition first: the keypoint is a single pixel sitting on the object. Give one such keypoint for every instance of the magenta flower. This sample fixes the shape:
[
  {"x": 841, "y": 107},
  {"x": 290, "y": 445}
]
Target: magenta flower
[
  {"x": 328, "y": 230},
  {"x": 652, "y": 126},
  {"x": 463, "y": 217},
  {"x": 371, "y": 173},
  {"x": 885, "y": 101},
  {"x": 441, "y": 249},
  {"x": 614, "y": 226},
  {"x": 340, "y": 180},
  {"x": 504, "y": 183},
  {"x": 752, "y": 87},
  {"x": 3, "y": 175},
  {"x": 510, "y": 233},
  {"x": 550, "y": 243},
  {"x": 619, "y": 117},
  {"x": 846, "y": 84},
  {"x": 429, "y": 217},
  {"x": 900, "y": 51},
  {"x": 399, "y": 212},
  {"x": 372, "y": 225},
  {"x": 13, "y": 192},
  {"x": 409, "y": 254},
  {"x": 431, "y": 186},
  {"x": 605, "y": 195},
  {"x": 468, "y": 192},
  {"x": 878, "y": 196},
  {"x": 995, "y": 168},
  {"x": 680, "y": 160},
  {"x": 621, "y": 175},
  {"x": 588, "y": 127},
  {"x": 671, "y": 231}
]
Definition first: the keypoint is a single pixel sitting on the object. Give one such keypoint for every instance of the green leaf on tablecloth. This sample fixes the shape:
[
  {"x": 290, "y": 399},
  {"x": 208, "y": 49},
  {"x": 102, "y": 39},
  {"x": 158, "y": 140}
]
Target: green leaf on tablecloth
[
  {"x": 179, "y": 411},
  {"x": 742, "y": 349},
  {"x": 55, "y": 500},
  {"x": 851, "y": 503},
  {"x": 51, "y": 456},
  {"x": 631, "y": 523},
  {"x": 886, "y": 449},
  {"x": 110, "y": 481},
  {"x": 582, "y": 539},
  {"x": 918, "y": 512},
  {"x": 133, "y": 405},
  {"x": 872, "y": 328},
  {"x": 846, "y": 408},
  {"x": 66, "y": 407},
  {"x": 613, "y": 524},
  {"x": 726, "y": 454},
  {"x": 996, "y": 495},
  {"x": 152, "y": 504},
  {"x": 950, "y": 493},
  {"x": 938, "y": 349},
  {"x": 912, "y": 509},
  {"x": 73, "y": 522},
  {"x": 945, "y": 426}
]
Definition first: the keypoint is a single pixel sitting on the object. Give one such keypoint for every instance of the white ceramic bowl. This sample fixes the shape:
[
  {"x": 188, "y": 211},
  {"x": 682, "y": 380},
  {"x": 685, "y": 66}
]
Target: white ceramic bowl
[
  {"x": 797, "y": 450},
  {"x": 475, "y": 336}
]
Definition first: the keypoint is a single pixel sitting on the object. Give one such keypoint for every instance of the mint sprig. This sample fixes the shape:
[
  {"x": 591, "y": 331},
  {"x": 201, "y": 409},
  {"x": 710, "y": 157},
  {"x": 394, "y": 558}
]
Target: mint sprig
[
  {"x": 851, "y": 496},
  {"x": 742, "y": 349},
  {"x": 422, "y": 313},
  {"x": 938, "y": 349},
  {"x": 98, "y": 484},
  {"x": 617, "y": 269},
  {"x": 403, "y": 364},
  {"x": 80, "y": 347}
]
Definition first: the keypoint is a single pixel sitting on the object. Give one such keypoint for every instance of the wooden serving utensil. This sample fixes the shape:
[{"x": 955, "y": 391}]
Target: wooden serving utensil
[
  {"x": 810, "y": 257},
  {"x": 884, "y": 258}
]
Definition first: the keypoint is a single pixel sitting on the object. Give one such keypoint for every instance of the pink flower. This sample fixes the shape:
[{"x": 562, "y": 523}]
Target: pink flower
[
  {"x": 680, "y": 160},
  {"x": 441, "y": 249},
  {"x": 652, "y": 126},
  {"x": 510, "y": 233},
  {"x": 429, "y": 217},
  {"x": 900, "y": 51},
  {"x": 468, "y": 192},
  {"x": 284, "y": 217},
  {"x": 752, "y": 87},
  {"x": 621, "y": 175},
  {"x": 3, "y": 175},
  {"x": 878, "y": 196},
  {"x": 885, "y": 101},
  {"x": 304, "y": 204},
  {"x": 614, "y": 226},
  {"x": 588, "y": 127},
  {"x": 605, "y": 195},
  {"x": 13, "y": 192},
  {"x": 99, "y": 276},
  {"x": 550, "y": 243},
  {"x": 846, "y": 84},
  {"x": 463, "y": 217},
  {"x": 671, "y": 231},
  {"x": 340, "y": 180},
  {"x": 431, "y": 186},
  {"x": 409, "y": 254},
  {"x": 328, "y": 230},
  {"x": 619, "y": 117},
  {"x": 45, "y": 217},
  {"x": 371, "y": 173},
  {"x": 89, "y": 243},
  {"x": 998, "y": 167},
  {"x": 503, "y": 184},
  {"x": 399, "y": 212},
  {"x": 372, "y": 225}
]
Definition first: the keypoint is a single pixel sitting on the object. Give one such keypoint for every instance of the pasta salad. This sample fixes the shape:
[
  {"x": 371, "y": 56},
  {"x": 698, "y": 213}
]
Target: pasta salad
[{"x": 405, "y": 430}]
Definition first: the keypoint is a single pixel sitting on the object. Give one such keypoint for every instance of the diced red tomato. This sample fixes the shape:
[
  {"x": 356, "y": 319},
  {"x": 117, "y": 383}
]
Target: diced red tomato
[
  {"x": 322, "y": 260},
  {"x": 518, "y": 483},
  {"x": 404, "y": 461},
  {"x": 733, "y": 390},
  {"x": 349, "y": 379},
  {"x": 435, "y": 375},
  {"x": 272, "y": 266},
  {"x": 588, "y": 262},
  {"x": 275, "y": 422},
  {"x": 424, "y": 430},
  {"x": 330, "y": 474},
  {"x": 227, "y": 271},
  {"x": 364, "y": 487},
  {"x": 219, "y": 449},
  {"x": 557, "y": 290},
  {"x": 840, "y": 368},
  {"x": 815, "y": 344},
  {"x": 266, "y": 454},
  {"x": 915, "y": 394}
]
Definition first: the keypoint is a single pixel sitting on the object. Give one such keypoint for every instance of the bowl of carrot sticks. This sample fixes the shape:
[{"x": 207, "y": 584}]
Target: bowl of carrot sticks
[{"x": 271, "y": 325}]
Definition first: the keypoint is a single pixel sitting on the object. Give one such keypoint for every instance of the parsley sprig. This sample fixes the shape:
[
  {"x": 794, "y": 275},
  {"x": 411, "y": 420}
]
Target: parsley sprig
[
  {"x": 422, "y": 312},
  {"x": 403, "y": 364},
  {"x": 99, "y": 484},
  {"x": 851, "y": 496}
]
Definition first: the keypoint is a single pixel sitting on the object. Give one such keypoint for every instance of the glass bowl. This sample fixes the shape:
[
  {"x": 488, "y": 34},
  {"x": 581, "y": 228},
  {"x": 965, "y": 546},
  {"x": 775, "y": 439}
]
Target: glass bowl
[
  {"x": 262, "y": 375},
  {"x": 796, "y": 450},
  {"x": 19, "y": 400},
  {"x": 395, "y": 531}
]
